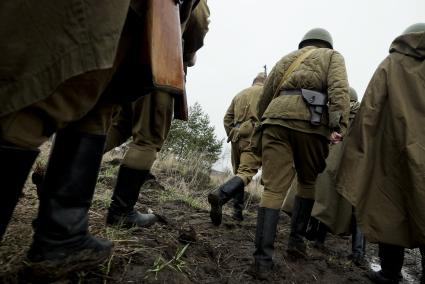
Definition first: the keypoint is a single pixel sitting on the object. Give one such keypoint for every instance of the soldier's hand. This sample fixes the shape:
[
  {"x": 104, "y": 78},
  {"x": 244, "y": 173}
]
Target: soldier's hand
[{"x": 335, "y": 137}]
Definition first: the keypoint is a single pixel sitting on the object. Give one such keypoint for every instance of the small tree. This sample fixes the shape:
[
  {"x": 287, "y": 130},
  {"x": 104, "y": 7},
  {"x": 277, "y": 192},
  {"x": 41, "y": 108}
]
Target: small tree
[{"x": 194, "y": 136}]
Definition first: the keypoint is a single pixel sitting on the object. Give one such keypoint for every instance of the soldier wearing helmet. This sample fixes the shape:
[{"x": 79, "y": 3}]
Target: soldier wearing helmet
[
  {"x": 382, "y": 168},
  {"x": 239, "y": 123},
  {"x": 304, "y": 105}
]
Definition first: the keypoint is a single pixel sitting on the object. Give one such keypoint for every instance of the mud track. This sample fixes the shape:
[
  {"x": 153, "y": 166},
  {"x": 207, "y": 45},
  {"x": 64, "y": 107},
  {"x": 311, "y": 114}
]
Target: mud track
[{"x": 189, "y": 249}]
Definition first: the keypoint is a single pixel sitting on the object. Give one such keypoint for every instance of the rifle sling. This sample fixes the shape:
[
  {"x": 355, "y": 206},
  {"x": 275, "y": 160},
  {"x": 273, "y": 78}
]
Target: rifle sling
[{"x": 291, "y": 68}]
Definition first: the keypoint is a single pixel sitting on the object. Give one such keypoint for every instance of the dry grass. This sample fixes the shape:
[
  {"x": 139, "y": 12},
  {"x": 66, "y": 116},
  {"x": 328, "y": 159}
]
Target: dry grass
[
  {"x": 187, "y": 180},
  {"x": 254, "y": 190}
]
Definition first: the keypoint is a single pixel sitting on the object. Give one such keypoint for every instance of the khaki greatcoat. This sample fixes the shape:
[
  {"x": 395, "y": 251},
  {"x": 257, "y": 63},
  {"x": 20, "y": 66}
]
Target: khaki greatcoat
[
  {"x": 330, "y": 207},
  {"x": 46, "y": 42},
  {"x": 383, "y": 167}
]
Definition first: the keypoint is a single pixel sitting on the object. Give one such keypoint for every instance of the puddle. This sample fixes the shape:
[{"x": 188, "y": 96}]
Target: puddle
[
  {"x": 374, "y": 263},
  {"x": 411, "y": 272}
]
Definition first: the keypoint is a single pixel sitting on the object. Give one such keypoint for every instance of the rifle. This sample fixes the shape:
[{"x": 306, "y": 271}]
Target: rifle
[{"x": 164, "y": 51}]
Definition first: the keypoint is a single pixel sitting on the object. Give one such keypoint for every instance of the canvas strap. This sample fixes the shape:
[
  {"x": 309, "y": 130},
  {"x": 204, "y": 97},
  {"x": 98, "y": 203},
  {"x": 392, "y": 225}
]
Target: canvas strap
[{"x": 291, "y": 68}]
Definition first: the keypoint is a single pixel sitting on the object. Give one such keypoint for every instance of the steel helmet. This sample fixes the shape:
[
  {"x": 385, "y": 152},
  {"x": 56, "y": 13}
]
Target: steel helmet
[
  {"x": 415, "y": 28},
  {"x": 261, "y": 77},
  {"x": 353, "y": 95},
  {"x": 317, "y": 34}
]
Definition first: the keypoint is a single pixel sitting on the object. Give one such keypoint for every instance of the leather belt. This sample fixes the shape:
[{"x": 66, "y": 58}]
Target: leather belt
[{"x": 290, "y": 92}]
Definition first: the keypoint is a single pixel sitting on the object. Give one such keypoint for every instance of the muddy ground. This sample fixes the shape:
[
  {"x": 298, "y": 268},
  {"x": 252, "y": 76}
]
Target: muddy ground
[{"x": 189, "y": 249}]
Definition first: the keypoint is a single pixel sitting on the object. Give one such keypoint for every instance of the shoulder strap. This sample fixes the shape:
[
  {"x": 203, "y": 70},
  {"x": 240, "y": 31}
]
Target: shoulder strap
[{"x": 292, "y": 67}]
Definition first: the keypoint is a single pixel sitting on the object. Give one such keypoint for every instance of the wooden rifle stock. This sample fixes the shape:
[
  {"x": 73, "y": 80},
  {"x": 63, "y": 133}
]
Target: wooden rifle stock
[{"x": 163, "y": 52}]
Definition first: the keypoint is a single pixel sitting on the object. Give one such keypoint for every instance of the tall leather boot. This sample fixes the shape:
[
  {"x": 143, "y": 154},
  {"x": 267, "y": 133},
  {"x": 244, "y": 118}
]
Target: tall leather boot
[
  {"x": 238, "y": 205},
  {"x": 392, "y": 258},
  {"x": 358, "y": 246},
  {"x": 15, "y": 165},
  {"x": 322, "y": 231},
  {"x": 126, "y": 192},
  {"x": 299, "y": 220},
  {"x": 265, "y": 235},
  {"x": 61, "y": 241},
  {"x": 221, "y": 195},
  {"x": 316, "y": 231},
  {"x": 312, "y": 229}
]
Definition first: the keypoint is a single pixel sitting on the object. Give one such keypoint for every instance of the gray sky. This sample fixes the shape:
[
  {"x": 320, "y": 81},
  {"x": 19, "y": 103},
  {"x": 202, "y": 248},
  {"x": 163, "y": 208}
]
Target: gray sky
[{"x": 246, "y": 34}]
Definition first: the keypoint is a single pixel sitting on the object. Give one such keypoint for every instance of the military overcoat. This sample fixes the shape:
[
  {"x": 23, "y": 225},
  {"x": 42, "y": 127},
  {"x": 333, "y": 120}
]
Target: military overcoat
[
  {"x": 382, "y": 171},
  {"x": 46, "y": 42}
]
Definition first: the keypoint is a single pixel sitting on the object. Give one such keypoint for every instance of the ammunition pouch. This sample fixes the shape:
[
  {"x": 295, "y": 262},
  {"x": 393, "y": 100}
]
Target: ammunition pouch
[
  {"x": 242, "y": 130},
  {"x": 233, "y": 135},
  {"x": 256, "y": 139},
  {"x": 246, "y": 128}
]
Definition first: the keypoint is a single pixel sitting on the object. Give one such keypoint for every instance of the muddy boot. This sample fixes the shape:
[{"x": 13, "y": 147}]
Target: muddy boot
[
  {"x": 265, "y": 235},
  {"x": 61, "y": 241},
  {"x": 391, "y": 263},
  {"x": 221, "y": 195},
  {"x": 312, "y": 229},
  {"x": 15, "y": 165},
  {"x": 322, "y": 231},
  {"x": 126, "y": 192},
  {"x": 238, "y": 204},
  {"x": 358, "y": 247},
  {"x": 152, "y": 183},
  {"x": 299, "y": 220}
]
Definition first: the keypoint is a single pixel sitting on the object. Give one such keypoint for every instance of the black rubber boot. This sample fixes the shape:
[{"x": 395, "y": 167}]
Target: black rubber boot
[
  {"x": 316, "y": 232},
  {"x": 358, "y": 246},
  {"x": 221, "y": 195},
  {"x": 265, "y": 235},
  {"x": 300, "y": 216},
  {"x": 238, "y": 205},
  {"x": 15, "y": 165},
  {"x": 312, "y": 229},
  {"x": 61, "y": 242},
  {"x": 126, "y": 192},
  {"x": 392, "y": 258},
  {"x": 322, "y": 232}
]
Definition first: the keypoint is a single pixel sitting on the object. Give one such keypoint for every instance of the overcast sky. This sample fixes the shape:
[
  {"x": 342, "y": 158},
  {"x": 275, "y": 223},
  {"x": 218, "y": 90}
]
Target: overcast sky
[{"x": 246, "y": 34}]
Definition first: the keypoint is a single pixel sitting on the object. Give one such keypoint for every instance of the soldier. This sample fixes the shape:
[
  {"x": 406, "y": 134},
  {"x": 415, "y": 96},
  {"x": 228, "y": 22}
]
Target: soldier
[
  {"x": 148, "y": 120},
  {"x": 239, "y": 123},
  {"x": 298, "y": 124},
  {"x": 56, "y": 77},
  {"x": 383, "y": 165},
  {"x": 332, "y": 212}
]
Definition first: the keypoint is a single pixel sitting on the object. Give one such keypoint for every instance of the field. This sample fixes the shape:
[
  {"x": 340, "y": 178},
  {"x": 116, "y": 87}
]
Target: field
[{"x": 188, "y": 249}]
